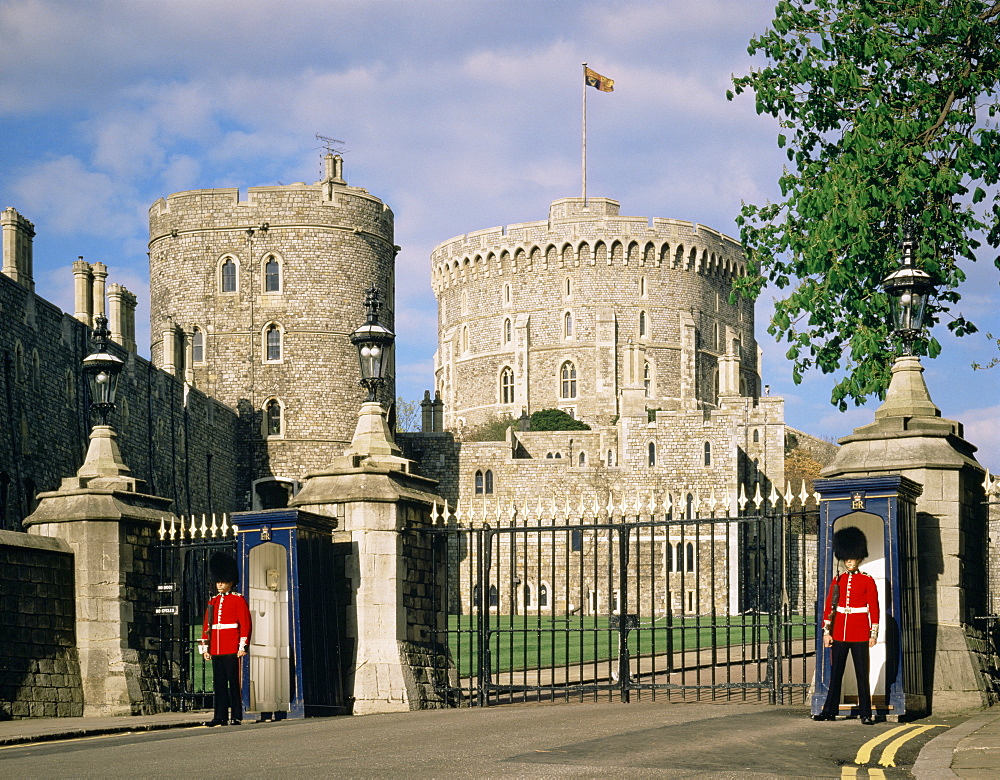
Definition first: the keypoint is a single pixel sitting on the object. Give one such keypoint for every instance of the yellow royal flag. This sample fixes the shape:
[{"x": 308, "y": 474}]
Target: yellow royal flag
[{"x": 597, "y": 81}]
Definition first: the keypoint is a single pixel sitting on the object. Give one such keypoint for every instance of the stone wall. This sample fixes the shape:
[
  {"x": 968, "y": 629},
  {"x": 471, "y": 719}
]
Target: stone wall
[
  {"x": 182, "y": 443},
  {"x": 39, "y": 667}
]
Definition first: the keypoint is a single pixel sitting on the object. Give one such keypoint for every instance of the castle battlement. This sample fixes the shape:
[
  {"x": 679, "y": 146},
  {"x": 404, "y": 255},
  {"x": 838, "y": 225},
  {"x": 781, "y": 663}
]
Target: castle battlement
[{"x": 576, "y": 236}]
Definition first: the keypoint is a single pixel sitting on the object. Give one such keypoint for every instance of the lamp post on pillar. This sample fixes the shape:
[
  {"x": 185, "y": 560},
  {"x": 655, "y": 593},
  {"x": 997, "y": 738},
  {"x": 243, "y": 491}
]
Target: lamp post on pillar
[
  {"x": 374, "y": 342},
  {"x": 102, "y": 370},
  {"x": 910, "y": 289}
]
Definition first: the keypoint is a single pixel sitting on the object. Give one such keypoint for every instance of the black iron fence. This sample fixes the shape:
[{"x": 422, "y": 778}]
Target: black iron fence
[
  {"x": 625, "y": 603},
  {"x": 185, "y": 547}
]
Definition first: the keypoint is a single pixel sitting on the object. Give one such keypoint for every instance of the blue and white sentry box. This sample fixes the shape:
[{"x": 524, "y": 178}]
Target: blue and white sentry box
[
  {"x": 293, "y": 573},
  {"x": 884, "y": 508}
]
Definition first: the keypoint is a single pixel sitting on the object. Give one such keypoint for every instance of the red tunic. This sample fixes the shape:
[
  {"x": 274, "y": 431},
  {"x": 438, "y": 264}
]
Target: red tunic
[
  {"x": 857, "y": 608},
  {"x": 228, "y": 617}
]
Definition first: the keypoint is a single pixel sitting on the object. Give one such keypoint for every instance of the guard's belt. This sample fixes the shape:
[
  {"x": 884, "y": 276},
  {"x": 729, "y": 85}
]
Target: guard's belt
[
  {"x": 237, "y": 625},
  {"x": 851, "y": 610}
]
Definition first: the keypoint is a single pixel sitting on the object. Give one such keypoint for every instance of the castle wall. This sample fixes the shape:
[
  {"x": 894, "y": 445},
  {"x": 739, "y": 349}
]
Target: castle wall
[
  {"x": 180, "y": 442},
  {"x": 607, "y": 293},
  {"x": 330, "y": 242}
]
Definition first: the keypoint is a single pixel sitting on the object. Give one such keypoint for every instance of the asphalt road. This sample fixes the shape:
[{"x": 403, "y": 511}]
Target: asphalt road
[{"x": 565, "y": 740}]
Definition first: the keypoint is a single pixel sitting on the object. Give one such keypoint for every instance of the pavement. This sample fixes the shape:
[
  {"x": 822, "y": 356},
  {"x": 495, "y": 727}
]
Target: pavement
[{"x": 969, "y": 749}]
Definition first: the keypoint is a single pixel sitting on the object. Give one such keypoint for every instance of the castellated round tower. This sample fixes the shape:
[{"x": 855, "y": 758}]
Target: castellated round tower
[
  {"x": 253, "y": 301},
  {"x": 601, "y": 315}
]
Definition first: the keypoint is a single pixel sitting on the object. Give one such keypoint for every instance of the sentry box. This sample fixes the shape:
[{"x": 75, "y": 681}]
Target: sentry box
[
  {"x": 884, "y": 508},
  {"x": 294, "y": 576}
]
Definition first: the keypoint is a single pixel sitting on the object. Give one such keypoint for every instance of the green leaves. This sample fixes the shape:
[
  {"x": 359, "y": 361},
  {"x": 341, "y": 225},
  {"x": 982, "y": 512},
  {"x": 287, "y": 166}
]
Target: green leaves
[{"x": 877, "y": 104}]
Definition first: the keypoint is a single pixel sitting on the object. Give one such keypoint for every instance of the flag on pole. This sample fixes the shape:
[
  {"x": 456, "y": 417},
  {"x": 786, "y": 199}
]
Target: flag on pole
[{"x": 597, "y": 81}]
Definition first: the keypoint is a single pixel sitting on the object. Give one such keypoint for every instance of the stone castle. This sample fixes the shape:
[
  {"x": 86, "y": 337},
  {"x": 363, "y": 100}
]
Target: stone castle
[{"x": 626, "y": 323}]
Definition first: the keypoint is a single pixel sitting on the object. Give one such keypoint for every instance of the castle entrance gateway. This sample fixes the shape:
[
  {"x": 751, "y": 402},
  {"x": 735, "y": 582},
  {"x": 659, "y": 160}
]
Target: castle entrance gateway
[{"x": 628, "y": 602}]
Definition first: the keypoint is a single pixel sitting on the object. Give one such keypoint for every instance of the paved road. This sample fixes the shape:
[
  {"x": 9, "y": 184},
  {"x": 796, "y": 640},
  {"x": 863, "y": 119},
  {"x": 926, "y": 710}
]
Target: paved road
[{"x": 587, "y": 740}]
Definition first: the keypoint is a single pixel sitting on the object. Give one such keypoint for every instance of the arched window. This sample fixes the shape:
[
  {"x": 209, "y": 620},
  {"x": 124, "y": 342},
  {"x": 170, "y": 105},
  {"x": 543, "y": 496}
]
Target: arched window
[
  {"x": 198, "y": 346},
  {"x": 567, "y": 380},
  {"x": 679, "y": 556},
  {"x": 568, "y": 324},
  {"x": 558, "y": 455},
  {"x": 583, "y": 459},
  {"x": 543, "y": 595},
  {"x": 494, "y": 596},
  {"x": 708, "y": 453},
  {"x": 642, "y": 286},
  {"x": 569, "y": 287},
  {"x": 465, "y": 301},
  {"x": 273, "y": 422},
  {"x": 479, "y": 483},
  {"x": 272, "y": 274},
  {"x": 756, "y": 436},
  {"x": 611, "y": 458},
  {"x": 465, "y": 338},
  {"x": 647, "y": 378},
  {"x": 507, "y": 386},
  {"x": 527, "y": 594},
  {"x": 18, "y": 363},
  {"x": 668, "y": 553},
  {"x": 488, "y": 482},
  {"x": 506, "y": 294},
  {"x": 689, "y": 557},
  {"x": 690, "y": 507},
  {"x": 642, "y": 324},
  {"x": 272, "y": 343},
  {"x": 506, "y": 331},
  {"x": 651, "y": 454},
  {"x": 228, "y": 276}
]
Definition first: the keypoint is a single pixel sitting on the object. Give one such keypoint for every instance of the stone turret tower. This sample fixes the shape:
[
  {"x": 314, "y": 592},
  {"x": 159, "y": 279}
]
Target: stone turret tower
[
  {"x": 253, "y": 301},
  {"x": 592, "y": 312}
]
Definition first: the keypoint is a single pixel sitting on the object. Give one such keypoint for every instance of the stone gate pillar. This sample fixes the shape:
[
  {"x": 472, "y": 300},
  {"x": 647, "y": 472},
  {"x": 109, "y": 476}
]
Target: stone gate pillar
[
  {"x": 909, "y": 437},
  {"x": 107, "y": 520},
  {"x": 395, "y": 613}
]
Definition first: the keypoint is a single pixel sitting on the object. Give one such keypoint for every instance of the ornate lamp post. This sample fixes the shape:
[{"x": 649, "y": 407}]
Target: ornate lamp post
[
  {"x": 374, "y": 342},
  {"x": 909, "y": 289},
  {"x": 102, "y": 370}
]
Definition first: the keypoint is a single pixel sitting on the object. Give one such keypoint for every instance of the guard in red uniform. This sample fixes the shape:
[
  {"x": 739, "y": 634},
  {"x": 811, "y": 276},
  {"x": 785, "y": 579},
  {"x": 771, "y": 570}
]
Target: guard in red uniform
[
  {"x": 225, "y": 637},
  {"x": 850, "y": 622}
]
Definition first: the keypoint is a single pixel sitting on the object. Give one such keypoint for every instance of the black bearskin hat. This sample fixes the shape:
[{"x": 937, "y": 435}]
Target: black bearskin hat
[
  {"x": 223, "y": 568},
  {"x": 850, "y": 542}
]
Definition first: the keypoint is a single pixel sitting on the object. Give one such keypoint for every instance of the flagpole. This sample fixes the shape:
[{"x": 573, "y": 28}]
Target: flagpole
[{"x": 584, "y": 164}]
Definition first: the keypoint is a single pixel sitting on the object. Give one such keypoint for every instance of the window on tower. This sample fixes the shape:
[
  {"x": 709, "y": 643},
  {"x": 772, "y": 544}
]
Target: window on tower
[
  {"x": 507, "y": 386},
  {"x": 228, "y": 275},
  {"x": 567, "y": 380},
  {"x": 272, "y": 274},
  {"x": 272, "y": 343},
  {"x": 198, "y": 346},
  {"x": 273, "y": 422}
]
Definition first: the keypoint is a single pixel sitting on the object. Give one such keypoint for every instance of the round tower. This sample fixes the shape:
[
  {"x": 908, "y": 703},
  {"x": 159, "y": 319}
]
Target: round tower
[
  {"x": 254, "y": 300},
  {"x": 592, "y": 312}
]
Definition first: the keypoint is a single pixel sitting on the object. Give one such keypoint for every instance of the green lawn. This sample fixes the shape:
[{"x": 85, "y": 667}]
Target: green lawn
[{"x": 531, "y": 641}]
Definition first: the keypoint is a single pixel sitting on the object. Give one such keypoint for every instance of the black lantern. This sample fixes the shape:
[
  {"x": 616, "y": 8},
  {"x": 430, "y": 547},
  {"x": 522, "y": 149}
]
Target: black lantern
[
  {"x": 374, "y": 342},
  {"x": 909, "y": 289},
  {"x": 102, "y": 370}
]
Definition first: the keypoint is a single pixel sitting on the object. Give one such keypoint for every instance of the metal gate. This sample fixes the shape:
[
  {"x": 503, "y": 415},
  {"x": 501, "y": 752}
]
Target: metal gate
[
  {"x": 184, "y": 588},
  {"x": 653, "y": 600}
]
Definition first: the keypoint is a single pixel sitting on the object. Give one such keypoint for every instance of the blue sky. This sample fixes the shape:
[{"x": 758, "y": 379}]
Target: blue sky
[{"x": 459, "y": 115}]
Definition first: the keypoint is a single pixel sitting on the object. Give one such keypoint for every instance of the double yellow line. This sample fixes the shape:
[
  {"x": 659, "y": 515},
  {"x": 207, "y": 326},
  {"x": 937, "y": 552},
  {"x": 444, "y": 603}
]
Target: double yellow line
[{"x": 902, "y": 735}]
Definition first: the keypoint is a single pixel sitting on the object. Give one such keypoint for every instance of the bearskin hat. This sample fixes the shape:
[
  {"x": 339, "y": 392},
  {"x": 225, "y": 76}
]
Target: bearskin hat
[
  {"x": 223, "y": 568},
  {"x": 850, "y": 542}
]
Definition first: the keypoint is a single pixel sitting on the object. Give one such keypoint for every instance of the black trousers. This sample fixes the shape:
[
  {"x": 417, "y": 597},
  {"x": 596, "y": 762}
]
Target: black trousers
[
  {"x": 838, "y": 662},
  {"x": 228, "y": 693}
]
